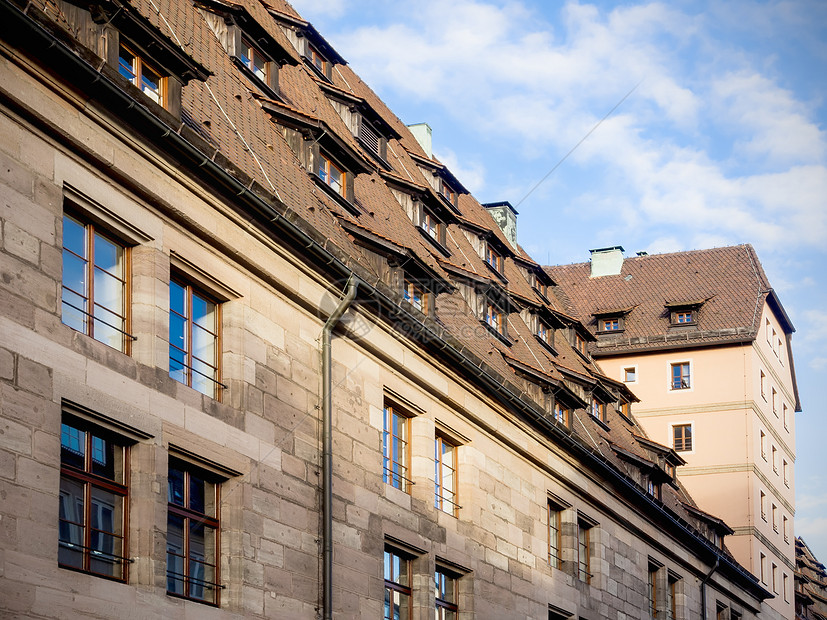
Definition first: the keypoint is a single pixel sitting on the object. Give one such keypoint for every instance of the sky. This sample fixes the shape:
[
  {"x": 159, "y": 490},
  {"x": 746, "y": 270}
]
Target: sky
[{"x": 696, "y": 124}]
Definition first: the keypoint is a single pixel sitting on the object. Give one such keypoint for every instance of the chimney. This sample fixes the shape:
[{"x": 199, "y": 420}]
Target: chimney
[
  {"x": 607, "y": 261},
  {"x": 422, "y": 133},
  {"x": 506, "y": 217}
]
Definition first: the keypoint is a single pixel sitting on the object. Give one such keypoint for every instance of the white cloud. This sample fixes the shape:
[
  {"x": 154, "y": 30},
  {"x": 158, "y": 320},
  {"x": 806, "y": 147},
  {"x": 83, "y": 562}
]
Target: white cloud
[{"x": 471, "y": 174}]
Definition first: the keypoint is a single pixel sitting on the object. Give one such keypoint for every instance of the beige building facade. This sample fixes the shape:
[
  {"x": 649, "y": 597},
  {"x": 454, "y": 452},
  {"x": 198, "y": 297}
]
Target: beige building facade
[
  {"x": 172, "y": 441},
  {"x": 719, "y": 389}
]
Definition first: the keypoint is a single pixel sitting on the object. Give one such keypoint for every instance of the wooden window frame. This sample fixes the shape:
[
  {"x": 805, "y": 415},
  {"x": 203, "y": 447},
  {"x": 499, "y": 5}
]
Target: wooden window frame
[
  {"x": 562, "y": 414},
  {"x": 442, "y": 501},
  {"x": 249, "y": 54},
  {"x": 433, "y": 226},
  {"x": 392, "y": 584},
  {"x": 584, "y": 557},
  {"x": 190, "y": 515},
  {"x": 137, "y": 69},
  {"x": 493, "y": 258},
  {"x": 410, "y": 290},
  {"x": 494, "y": 318},
  {"x": 682, "y": 380},
  {"x": 317, "y": 60},
  {"x": 687, "y": 443},
  {"x": 444, "y": 579},
  {"x": 191, "y": 290},
  {"x": 610, "y": 324},
  {"x": 598, "y": 409},
  {"x": 91, "y": 232},
  {"x": 326, "y": 164},
  {"x": 89, "y": 480},
  {"x": 554, "y": 516},
  {"x": 396, "y": 464},
  {"x": 652, "y": 589}
]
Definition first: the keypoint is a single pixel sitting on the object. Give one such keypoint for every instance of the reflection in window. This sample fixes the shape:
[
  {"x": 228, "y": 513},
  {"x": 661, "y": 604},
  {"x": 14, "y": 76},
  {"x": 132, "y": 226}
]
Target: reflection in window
[
  {"x": 94, "y": 284},
  {"x": 445, "y": 469},
  {"x": 193, "y": 339},
  {"x": 135, "y": 69},
  {"x": 397, "y": 573},
  {"x": 395, "y": 459},
  {"x": 91, "y": 509},
  {"x": 446, "y": 595},
  {"x": 192, "y": 534}
]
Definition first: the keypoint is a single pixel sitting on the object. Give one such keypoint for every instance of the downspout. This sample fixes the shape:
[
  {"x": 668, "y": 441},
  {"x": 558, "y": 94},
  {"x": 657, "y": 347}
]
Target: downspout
[
  {"x": 703, "y": 587},
  {"x": 327, "y": 446}
]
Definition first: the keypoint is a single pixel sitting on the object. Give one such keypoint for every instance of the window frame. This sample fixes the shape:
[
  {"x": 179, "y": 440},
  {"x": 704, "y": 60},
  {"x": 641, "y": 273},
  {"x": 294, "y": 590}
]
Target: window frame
[
  {"x": 440, "y": 497},
  {"x": 442, "y": 606},
  {"x": 410, "y": 288},
  {"x": 584, "y": 557},
  {"x": 683, "y": 448},
  {"x": 91, "y": 232},
  {"x": 555, "y": 534},
  {"x": 247, "y": 57},
  {"x": 495, "y": 317},
  {"x": 494, "y": 258},
  {"x": 684, "y": 382},
  {"x": 598, "y": 409},
  {"x": 396, "y": 479},
  {"x": 192, "y": 289},
  {"x": 562, "y": 414},
  {"x": 326, "y": 163},
  {"x": 137, "y": 70},
  {"x": 391, "y": 583},
  {"x": 625, "y": 372},
  {"x": 610, "y": 324},
  {"x": 89, "y": 481},
  {"x": 188, "y": 514}
]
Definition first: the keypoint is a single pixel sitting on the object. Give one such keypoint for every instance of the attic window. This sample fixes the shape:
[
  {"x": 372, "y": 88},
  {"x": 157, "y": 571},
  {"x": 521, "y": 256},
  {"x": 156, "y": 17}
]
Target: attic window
[
  {"x": 142, "y": 74},
  {"x": 331, "y": 174},
  {"x": 494, "y": 318},
  {"x": 545, "y": 332},
  {"x": 433, "y": 226},
  {"x": 448, "y": 192},
  {"x": 684, "y": 313},
  {"x": 317, "y": 61},
  {"x": 416, "y": 295},
  {"x": 494, "y": 258},
  {"x": 610, "y": 324}
]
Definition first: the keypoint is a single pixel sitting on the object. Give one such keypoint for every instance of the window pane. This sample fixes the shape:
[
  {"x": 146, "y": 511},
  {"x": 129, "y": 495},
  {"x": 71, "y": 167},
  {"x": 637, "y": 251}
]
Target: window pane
[
  {"x": 104, "y": 459},
  {"x": 203, "y": 312},
  {"x": 72, "y": 446},
  {"x": 175, "y": 554},
  {"x": 126, "y": 64},
  {"x": 177, "y": 298},
  {"x": 175, "y": 486},
  {"x": 70, "y": 525},
  {"x": 151, "y": 84},
  {"x": 197, "y": 493}
]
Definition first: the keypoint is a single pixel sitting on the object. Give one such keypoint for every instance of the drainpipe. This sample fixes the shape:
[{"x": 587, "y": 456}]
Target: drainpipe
[
  {"x": 703, "y": 587},
  {"x": 327, "y": 447}
]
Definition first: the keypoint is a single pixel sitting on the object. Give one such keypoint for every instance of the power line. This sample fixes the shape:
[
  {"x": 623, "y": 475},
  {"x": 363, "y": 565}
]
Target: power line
[{"x": 582, "y": 140}]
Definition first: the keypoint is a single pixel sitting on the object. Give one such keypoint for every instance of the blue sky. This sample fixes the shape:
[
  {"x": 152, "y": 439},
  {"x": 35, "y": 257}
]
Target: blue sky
[{"x": 721, "y": 141}]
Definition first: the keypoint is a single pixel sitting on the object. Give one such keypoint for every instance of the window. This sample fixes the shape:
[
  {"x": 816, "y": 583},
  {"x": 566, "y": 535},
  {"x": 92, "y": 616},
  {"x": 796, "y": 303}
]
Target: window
[
  {"x": 331, "y": 174},
  {"x": 494, "y": 258},
  {"x": 774, "y": 574},
  {"x": 93, "y": 492},
  {"x": 583, "y": 560},
  {"x": 448, "y": 193},
  {"x": 775, "y": 460},
  {"x": 142, "y": 74},
  {"x": 193, "y": 339},
  {"x": 653, "y": 589},
  {"x": 786, "y": 416},
  {"x": 192, "y": 534},
  {"x": 555, "y": 537},
  {"x": 779, "y": 344},
  {"x": 317, "y": 60},
  {"x": 630, "y": 374},
  {"x": 763, "y": 499},
  {"x": 769, "y": 331},
  {"x": 653, "y": 488},
  {"x": 672, "y": 597},
  {"x": 721, "y": 611},
  {"x": 545, "y": 332},
  {"x": 774, "y": 402},
  {"x": 763, "y": 437},
  {"x": 626, "y": 409},
  {"x": 416, "y": 295},
  {"x": 763, "y": 568},
  {"x": 784, "y": 471},
  {"x": 561, "y": 413},
  {"x": 682, "y": 437},
  {"x": 598, "y": 409},
  {"x": 774, "y": 517},
  {"x": 580, "y": 343},
  {"x": 445, "y": 476},
  {"x": 432, "y": 226},
  {"x": 255, "y": 60},
  {"x": 680, "y": 376},
  {"x": 611, "y": 324},
  {"x": 763, "y": 385},
  {"x": 397, "y": 586},
  {"x": 446, "y": 595},
  {"x": 685, "y": 316},
  {"x": 784, "y": 529},
  {"x": 494, "y": 318},
  {"x": 95, "y": 289},
  {"x": 785, "y": 584},
  {"x": 395, "y": 457}
]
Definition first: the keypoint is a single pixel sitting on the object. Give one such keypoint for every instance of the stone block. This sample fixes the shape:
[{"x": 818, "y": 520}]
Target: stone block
[
  {"x": 20, "y": 243},
  {"x": 15, "y": 437},
  {"x": 34, "y": 377}
]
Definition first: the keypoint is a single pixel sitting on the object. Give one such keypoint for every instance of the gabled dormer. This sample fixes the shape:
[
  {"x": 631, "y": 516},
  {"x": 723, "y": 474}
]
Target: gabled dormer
[
  {"x": 139, "y": 56},
  {"x": 683, "y": 313},
  {"x": 318, "y": 55},
  {"x": 611, "y": 320},
  {"x": 257, "y": 54}
]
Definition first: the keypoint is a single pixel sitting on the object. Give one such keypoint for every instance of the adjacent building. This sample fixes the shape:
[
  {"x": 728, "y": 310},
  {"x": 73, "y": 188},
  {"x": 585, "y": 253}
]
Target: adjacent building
[
  {"x": 262, "y": 355},
  {"x": 811, "y": 584},
  {"x": 703, "y": 340}
]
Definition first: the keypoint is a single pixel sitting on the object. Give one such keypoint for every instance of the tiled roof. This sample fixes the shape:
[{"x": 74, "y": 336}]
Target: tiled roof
[{"x": 728, "y": 283}]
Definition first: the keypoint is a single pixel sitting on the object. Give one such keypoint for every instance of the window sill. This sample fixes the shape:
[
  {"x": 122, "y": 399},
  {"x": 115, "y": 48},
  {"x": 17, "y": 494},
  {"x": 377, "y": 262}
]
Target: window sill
[
  {"x": 502, "y": 337},
  {"x": 600, "y": 423},
  {"x": 341, "y": 200},
  {"x": 499, "y": 274},
  {"x": 315, "y": 70},
  {"x": 547, "y": 346},
  {"x": 265, "y": 88},
  {"x": 605, "y": 332}
]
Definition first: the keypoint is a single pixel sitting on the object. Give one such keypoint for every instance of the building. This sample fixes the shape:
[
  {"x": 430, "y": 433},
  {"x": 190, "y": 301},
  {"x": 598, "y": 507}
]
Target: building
[
  {"x": 703, "y": 340},
  {"x": 262, "y": 355},
  {"x": 811, "y": 584}
]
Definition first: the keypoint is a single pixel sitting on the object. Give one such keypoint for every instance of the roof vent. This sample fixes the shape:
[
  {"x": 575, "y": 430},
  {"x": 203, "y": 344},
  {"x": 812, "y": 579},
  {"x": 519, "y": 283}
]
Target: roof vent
[
  {"x": 506, "y": 217},
  {"x": 643, "y": 253},
  {"x": 422, "y": 133},
  {"x": 607, "y": 261}
]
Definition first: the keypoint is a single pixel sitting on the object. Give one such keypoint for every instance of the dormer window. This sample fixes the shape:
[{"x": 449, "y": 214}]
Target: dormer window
[
  {"x": 448, "y": 193},
  {"x": 684, "y": 313},
  {"x": 331, "y": 174},
  {"x": 494, "y": 318},
  {"x": 494, "y": 258},
  {"x": 579, "y": 342},
  {"x": 685, "y": 316},
  {"x": 545, "y": 332},
  {"x": 142, "y": 74},
  {"x": 598, "y": 409},
  {"x": 416, "y": 295},
  {"x": 255, "y": 60},
  {"x": 610, "y": 324},
  {"x": 316, "y": 59},
  {"x": 561, "y": 413}
]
